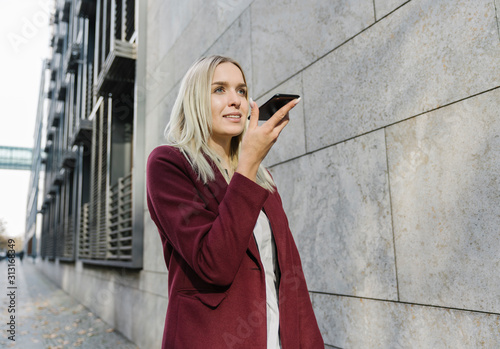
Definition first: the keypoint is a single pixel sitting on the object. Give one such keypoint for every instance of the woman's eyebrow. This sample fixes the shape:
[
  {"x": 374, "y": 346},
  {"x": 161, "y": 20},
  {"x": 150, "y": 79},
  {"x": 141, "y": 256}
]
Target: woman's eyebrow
[
  {"x": 225, "y": 83},
  {"x": 222, "y": 83}
]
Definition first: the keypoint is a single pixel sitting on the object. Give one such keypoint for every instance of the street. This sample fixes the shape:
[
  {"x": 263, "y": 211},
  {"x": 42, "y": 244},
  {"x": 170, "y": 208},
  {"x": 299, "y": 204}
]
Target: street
[{"x": 37, "y": 314}]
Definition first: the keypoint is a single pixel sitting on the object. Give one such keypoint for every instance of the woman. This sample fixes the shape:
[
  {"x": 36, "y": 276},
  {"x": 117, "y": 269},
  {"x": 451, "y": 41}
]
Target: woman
[{"x": 235, "y": 276}]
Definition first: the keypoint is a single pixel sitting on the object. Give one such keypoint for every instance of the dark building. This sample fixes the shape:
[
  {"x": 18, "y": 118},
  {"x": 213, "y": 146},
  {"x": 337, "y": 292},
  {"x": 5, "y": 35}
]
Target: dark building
[{"x": 90, "y": 192}]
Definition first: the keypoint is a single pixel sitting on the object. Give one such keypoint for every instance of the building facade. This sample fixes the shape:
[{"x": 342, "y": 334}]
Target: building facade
[
  {"x": 89, "y": 191},
  {"x": 388, "y": 169},
  {"x": 35, "y": 187}
]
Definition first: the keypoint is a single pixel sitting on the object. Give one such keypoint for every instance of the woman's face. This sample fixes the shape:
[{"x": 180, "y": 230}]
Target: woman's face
[{"x": 229, "y": 103}]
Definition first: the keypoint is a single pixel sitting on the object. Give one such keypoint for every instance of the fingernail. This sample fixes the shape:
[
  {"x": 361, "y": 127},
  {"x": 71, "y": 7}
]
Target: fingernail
[
  {"x": 298, "y": 100},
  {"x": 251, "y": 102}
]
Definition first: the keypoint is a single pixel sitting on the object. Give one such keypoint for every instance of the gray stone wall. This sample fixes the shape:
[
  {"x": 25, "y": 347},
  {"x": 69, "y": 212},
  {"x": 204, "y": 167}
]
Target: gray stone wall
[{"x": 389, "y": 170}]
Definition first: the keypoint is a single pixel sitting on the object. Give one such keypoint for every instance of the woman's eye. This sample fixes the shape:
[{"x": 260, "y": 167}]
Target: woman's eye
[
  {"x": 218, "y": 90},
  {"x": 242, "y": 92}
]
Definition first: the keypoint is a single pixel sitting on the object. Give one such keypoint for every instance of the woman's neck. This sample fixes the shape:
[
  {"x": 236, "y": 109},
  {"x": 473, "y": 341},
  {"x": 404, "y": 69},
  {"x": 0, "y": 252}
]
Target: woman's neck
[{"x": 223, "y": 149}]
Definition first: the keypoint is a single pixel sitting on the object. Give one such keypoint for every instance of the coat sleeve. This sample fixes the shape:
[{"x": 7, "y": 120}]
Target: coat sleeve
[{"x": 212, "y": 243}]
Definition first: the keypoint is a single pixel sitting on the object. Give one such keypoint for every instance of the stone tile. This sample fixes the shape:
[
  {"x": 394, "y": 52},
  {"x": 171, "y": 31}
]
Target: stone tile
[
  {"x": 285, "y": 39},
  {"x": 160, "y": 80},
  {"x": 152, "y": 36},
  {"x": 142, "y": 307},
  {"x": 165, "y": 110},
  {"x": 160, "y": 313},
  {"x": 337, "y": 202},
  {"x": 497, "y": 7},
  {"x": 157, "y": 120},
  {"x": 361, "y": 323},
  {"x": 152, "y": 121},
  {"x": 167, "y": 105},
  {"x": 235, "y": 42},
  {"x": 102, "y": 301},
  {"x": 383, "y": 7},
  {"x": 174, "y": 18},
  {"x": 444, "y": 185},
  {"x": 153, "y": 250},
  {"x": 124, "y": 315},
  {"x": 154, "y": 282},
  {"x": 186, "y": 40},
  {"x": 194, "y": 42},
  {"x": 153, "y": 6},
  {"x": 423, "y": 56},
  {"x": 149, "y": 321},
  {"x": 197, "y": 39},
  {"x": 291, "y": 142}
]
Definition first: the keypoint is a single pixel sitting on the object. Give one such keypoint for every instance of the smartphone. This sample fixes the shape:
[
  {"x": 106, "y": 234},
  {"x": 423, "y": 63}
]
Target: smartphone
[{"x": 274, "y": 104}]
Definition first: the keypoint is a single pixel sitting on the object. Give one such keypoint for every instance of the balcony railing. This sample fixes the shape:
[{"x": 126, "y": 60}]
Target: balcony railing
[
  {"x": 72, "y": 56},
  {"x": 50, "y": 133},
  {"x": 65, "y": 10},
  {"x": 59, "y": 35},
  {"x": 67, "y": 235},
  {"x": 58, "y": 178},
  {"x": 117, "y": 61},
  {"x": 62, "y": 87},
  {"x": 51, "y": 88},
  {"x": 56, "y": 114},
  {"x": 84, "y": 240},
  {"x": 68, "y": 159},
  {"x": 118, "y": 69},
  {"x": 85, "y": 8},
  {"x": 120, "y": 220},
  {"x": 48, "y": 246},
  {"x": 82, "y": 132}
]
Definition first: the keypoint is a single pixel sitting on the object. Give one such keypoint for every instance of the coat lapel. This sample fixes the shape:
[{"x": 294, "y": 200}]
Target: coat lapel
[
  {"x": 273, "y": 212},
  {"x": 218, "y": 188}
]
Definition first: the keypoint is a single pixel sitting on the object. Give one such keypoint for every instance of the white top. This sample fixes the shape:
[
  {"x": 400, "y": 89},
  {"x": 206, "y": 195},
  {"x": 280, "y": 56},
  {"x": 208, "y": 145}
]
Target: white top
[{"x": 267, "y": 250}]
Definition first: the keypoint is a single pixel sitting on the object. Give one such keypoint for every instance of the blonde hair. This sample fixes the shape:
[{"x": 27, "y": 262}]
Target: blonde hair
[{"x": 190, "y": 125}]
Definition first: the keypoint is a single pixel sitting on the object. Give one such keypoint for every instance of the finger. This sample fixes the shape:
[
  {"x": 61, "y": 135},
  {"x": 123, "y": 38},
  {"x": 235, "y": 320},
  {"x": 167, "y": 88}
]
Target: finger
[
  {"x": 282, "y": 113},
  {"x": 281, "y": 125},
  {"x": 254, "y": 114}
]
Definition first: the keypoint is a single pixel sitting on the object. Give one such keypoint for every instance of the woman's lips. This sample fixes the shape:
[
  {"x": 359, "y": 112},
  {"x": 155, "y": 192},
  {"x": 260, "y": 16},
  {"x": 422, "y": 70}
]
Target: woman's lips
[{"x": 233, "y": 116}]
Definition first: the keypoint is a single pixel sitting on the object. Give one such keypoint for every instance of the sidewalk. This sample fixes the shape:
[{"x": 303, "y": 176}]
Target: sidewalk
[{"x": 46, "y": 317}]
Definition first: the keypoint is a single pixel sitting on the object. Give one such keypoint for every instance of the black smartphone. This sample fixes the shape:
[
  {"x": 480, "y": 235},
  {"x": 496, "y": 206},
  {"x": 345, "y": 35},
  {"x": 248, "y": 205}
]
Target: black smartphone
[{"x": 274, "y": 104}]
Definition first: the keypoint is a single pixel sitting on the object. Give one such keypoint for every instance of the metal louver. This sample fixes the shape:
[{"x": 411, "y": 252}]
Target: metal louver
[
  {"x": 120, "y": 219},
  {"x": 69, "y": 236},
  {"x": 83, "y": 242},
  {"x": 98, "y": 200}
]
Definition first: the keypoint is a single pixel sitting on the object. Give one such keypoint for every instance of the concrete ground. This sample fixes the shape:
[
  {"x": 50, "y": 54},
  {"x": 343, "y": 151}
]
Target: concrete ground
[{"x": 45, "y": 316}]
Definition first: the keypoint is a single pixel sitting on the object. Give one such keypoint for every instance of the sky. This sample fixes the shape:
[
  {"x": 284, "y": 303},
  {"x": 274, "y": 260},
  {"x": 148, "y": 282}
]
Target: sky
[{"x": 24, "y": 43}]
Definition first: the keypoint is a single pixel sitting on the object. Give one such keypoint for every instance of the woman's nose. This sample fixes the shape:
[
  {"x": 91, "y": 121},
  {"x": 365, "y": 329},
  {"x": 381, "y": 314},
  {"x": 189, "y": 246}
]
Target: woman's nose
[{"x": 234, "y": 99}]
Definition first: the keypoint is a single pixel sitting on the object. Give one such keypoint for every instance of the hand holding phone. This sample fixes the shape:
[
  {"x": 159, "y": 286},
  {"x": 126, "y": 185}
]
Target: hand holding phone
[
  {"x": 259, "y": 139},
  {"x": 274, "y": 104}
]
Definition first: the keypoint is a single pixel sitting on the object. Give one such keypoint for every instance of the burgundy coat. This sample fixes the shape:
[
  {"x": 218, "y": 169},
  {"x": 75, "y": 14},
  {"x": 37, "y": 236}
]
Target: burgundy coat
[{"x": 217, "y": 294}]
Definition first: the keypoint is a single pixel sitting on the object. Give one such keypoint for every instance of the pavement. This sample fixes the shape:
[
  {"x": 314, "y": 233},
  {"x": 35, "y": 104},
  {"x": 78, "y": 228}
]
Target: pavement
[{"x": 43, "y": 316}]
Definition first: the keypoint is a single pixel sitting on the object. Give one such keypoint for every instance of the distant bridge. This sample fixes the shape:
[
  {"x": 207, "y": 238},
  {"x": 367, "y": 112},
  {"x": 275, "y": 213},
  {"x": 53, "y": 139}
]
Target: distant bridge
[{"x": 15, "y": 158}]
